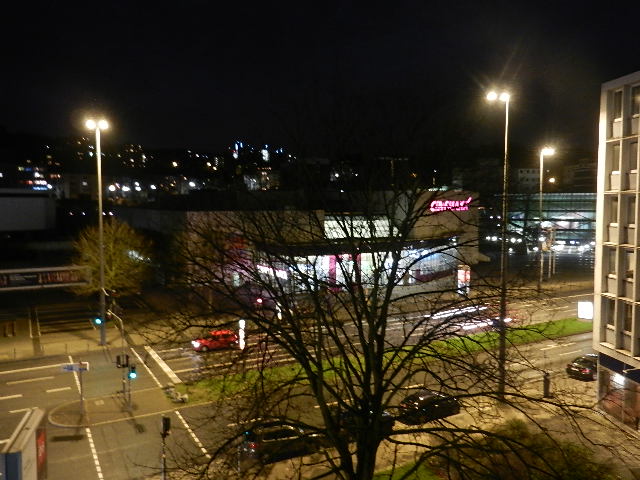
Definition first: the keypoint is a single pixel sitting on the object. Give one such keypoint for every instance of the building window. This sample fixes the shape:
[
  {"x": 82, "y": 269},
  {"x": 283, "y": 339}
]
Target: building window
[
  {"x": 609, "y": 311},
  {"x": 613, "y": 213},
  {"x": 611, "y": 260},
  {"x": 629, "y": 260},
  {"x": 627, "y": 314},
  {"x": 635, "y": 100},
  {"x": 617, "y": 104},
  {"x": 615, "y": 157}
]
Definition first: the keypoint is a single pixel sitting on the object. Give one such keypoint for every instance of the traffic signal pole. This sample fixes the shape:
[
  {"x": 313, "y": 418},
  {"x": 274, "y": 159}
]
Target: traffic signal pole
[{"x": 123, "y": 362}]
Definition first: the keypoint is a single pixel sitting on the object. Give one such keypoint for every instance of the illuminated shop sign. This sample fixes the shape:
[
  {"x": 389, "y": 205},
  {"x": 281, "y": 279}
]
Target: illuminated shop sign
[
  {"x": 450, "y": 205},
  {"x": 273, "y": 271}
]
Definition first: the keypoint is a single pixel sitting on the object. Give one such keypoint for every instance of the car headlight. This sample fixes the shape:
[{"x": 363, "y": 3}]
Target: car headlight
[{"x": 195, "y": 343}]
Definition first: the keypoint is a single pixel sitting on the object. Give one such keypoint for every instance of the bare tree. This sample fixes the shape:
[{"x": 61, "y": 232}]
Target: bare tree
[{"x": 345, "y": 314}]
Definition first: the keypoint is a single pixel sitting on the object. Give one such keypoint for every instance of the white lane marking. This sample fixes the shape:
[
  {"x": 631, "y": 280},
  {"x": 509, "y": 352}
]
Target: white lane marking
[
  {"x": 11, "y": 396},
  {"x": 162, "y": 364},
  {"x": 56, "y": 365},
  {"x": 75, "y": 375},
  {"x": 549, "y": 347},
  {"x": 183, "y": 370},
  {"x": 21, "y": 410},
  {"x": 61, "y": 389},
  {"x": 193, "y": 435},
  {"x": 87, "y": 430},
  {"x": 170, "y": 350},
  {"x": 149, "y": 370},
  {"x": 13, "y": 382},
  {"x": 94, "y": 453},
  {"x": 569, "y": 353},
  {"x": 5, "y": 440}
]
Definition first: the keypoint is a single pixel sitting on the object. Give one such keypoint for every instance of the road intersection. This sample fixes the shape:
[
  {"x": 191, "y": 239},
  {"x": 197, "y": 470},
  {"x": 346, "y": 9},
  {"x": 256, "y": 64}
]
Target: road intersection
[{"x": 114, "y": 442}]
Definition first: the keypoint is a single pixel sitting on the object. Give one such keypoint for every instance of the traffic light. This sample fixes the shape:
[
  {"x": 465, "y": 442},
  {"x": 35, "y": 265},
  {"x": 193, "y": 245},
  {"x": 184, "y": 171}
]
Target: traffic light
[
  {"x": 122, "y": 361},
  {"x": 97, "y": 321},
  {"x": 132, "y": 372},
  {"x": 166, "y": 426}
]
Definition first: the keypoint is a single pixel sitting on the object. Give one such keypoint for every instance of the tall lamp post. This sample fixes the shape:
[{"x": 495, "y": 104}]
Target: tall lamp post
[
  {"x": 502, "y": 333},
  {"x": 98, "y": 126},
  {"x": 544, "y": 152}
]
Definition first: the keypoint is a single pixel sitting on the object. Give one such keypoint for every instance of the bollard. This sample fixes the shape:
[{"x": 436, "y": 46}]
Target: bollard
[{"x": 546, "y": 385}]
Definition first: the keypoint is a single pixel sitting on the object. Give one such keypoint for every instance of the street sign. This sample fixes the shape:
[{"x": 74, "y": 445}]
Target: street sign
[{"x": 75, "y": 367}]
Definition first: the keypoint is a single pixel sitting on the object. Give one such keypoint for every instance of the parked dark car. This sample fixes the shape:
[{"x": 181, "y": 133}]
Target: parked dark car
[
  {"x": 585, "y": 367},
  {"x": 215, "y": 340},
  {"x": 425, "y": 406},
  {"x": 349, "y": 423},
  {"x": 274, "y": 440}
]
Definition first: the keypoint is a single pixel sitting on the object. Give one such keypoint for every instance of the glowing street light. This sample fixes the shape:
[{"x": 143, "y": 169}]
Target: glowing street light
[
  {"x": 544, "y": 152},
  {"x": 98, "y": 126},
  {"x": 504, "y": 97}
]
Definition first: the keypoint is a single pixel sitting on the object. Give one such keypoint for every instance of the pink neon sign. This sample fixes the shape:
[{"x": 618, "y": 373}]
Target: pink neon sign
[{"x": 451, "y": 205}]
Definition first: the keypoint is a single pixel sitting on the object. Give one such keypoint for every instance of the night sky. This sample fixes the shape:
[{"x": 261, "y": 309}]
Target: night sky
[{"x": 201, "y": 74}]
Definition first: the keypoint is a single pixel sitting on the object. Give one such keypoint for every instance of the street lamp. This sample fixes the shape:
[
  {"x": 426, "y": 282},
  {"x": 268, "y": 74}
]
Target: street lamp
[
  {"x": 544, "y": 152},
  {"x": 502, "y": 334},
  {"x": 98, "y": 126}
]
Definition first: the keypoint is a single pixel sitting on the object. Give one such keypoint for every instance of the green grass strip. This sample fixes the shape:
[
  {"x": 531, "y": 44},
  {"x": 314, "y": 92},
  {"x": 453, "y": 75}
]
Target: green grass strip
[
  {"x": 209, "y": 389},
  {"x": 423, "y": 472},
  {"x": 515, "y": 336}
]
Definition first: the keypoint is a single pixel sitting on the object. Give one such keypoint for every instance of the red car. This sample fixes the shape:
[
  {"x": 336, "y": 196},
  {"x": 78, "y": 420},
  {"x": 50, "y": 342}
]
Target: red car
[{"x": 216, "y": 340}]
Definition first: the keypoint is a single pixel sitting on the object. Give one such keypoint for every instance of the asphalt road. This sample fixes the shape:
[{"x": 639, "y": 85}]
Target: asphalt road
[
  {"x": 127, "y": 446},
  {"x": 122, "y": 446},
  {"x": 188, "y": 364}
]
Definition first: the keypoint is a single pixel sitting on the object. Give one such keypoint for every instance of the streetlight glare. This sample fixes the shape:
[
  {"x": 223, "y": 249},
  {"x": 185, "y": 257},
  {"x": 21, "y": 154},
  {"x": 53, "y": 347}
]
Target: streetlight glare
[
  {"x": 91, "y": 124},
  {"x": 548, "y": 151},
  {"x": 503, "y": 97}
]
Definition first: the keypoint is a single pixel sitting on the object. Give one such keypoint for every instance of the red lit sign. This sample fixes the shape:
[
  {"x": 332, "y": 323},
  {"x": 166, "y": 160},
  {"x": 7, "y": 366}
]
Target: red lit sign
[{"x": 450, "y": 205}]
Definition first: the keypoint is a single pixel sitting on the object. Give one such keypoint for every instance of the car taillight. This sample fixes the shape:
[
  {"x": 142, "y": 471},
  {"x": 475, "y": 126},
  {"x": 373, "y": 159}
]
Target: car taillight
[
  {"x": 585, "y": 370},
  {"x": 253, "y": 445}
]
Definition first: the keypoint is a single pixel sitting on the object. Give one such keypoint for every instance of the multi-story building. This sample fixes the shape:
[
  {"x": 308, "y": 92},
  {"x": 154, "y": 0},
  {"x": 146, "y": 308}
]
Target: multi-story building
[
  {"x": 616, "y": 334},
  {"x": 527, "y": 179}
]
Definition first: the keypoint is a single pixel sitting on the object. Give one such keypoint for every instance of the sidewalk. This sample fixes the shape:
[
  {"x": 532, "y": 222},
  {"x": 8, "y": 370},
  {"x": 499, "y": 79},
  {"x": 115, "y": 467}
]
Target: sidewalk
[{"x": 23, "y": 345}]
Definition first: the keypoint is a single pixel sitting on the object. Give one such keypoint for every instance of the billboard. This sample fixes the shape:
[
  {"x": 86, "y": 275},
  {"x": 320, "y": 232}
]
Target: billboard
[{"x": 34, "y": 278}]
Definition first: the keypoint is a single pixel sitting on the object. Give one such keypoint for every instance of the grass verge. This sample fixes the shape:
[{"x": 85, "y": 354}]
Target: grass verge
[
  {"x": 422, "y": 473},
  {"x": 209, "y": 389}
]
